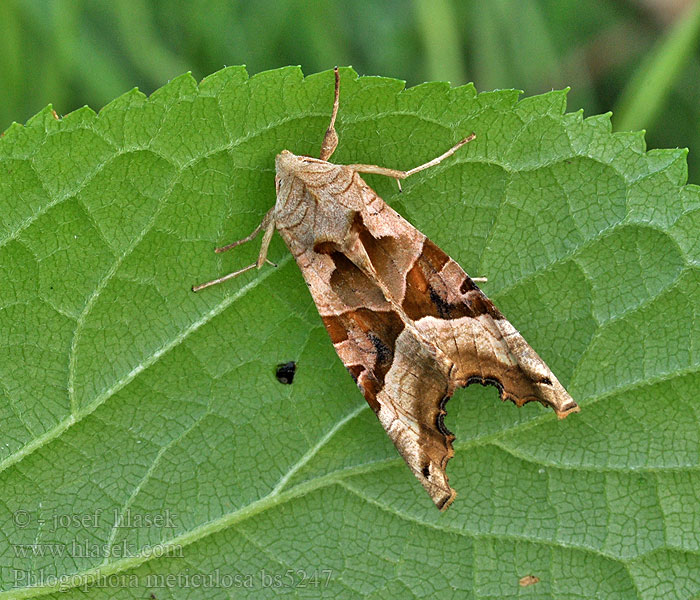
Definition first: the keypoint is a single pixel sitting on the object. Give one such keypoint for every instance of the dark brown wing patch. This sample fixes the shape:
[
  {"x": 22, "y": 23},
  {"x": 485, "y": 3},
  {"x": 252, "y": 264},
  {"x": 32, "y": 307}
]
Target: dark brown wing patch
[
  {"x": 475, "y": 336},
  {"x": 407, "y": 322},
  {"x": 367, "y": 339}
]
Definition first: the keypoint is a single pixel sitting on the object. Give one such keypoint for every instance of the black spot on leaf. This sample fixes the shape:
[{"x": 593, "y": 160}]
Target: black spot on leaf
[{"x": 285, "y": 372}]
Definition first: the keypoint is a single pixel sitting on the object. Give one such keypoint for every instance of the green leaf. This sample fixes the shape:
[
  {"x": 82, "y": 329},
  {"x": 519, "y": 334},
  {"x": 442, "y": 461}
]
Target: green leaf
[{"x": 123, "y": 391}]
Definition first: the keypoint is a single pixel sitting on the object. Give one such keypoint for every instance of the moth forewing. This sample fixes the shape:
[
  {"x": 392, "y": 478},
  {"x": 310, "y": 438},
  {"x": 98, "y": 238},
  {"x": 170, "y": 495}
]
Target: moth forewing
[{"x": 408, "y": 323}]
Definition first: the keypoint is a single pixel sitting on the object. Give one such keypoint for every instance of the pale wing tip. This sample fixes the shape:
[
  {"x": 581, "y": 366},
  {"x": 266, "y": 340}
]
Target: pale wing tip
[
  {"x": 443, "y": 502},
  {"x": 566, "y": 410}
]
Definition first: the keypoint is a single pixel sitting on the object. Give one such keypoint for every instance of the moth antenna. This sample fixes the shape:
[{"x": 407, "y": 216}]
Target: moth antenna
[{"x": 330, "y": 140}]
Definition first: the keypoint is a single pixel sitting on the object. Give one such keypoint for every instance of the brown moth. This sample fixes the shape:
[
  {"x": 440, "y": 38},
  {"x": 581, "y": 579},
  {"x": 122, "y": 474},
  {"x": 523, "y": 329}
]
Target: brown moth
[{"x": 408, "y": 323}]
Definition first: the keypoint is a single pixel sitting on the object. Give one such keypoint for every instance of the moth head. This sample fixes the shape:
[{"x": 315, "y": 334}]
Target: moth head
[{"x": 287, "y": 163}]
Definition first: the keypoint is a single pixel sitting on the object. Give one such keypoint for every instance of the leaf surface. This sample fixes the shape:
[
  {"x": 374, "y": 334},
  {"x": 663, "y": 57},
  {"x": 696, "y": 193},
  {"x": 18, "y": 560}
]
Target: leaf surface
[{"x": 139, "y": 418}]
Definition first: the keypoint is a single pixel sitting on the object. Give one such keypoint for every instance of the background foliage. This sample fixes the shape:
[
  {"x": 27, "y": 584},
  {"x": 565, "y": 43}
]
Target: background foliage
[{"x": 638, "y": 57}]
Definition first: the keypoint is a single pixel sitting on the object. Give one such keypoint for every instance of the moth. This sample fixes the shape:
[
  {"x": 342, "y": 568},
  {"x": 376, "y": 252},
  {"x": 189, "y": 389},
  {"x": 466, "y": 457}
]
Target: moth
[{"x": 408, "y": 323}]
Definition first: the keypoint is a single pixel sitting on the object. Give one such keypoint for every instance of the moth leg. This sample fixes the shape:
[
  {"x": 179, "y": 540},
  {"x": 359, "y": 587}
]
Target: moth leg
[
  {"x": 201, "y": 286},
  {"x": 247, "y": 238},
  {"x": 399, "y": 175},
  {"x": 267, "y": 236},
  {"x": 268, "y": 224},
  {"x": 263, "y": 224},
  {"x": 330, "y": 140}
]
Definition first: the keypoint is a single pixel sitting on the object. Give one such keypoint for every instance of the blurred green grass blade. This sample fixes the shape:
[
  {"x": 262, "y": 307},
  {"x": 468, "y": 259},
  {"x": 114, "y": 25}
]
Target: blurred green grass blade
[
  {"x": 143, "y": 42},
  {"x": 508, "y": 52},
  {"x": 11, "y": 72},
  {"x": 65, "y": 58},
  {"x": 489, "y": 56},
  {"x": 644, "y": 95},
  {"x": 533, "y": 56},
  {"x": 101, "y": 74},
  {"x": 325, "y": 44},
  {"x": 437, "y": 26}
]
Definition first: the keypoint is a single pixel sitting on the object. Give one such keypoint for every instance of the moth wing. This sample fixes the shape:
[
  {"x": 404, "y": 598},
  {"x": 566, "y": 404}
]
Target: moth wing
[
  {"x": 405, "y": 385},
  {"x": 400, "y": 376},
  {"x": 449, "y": 309},
  {"x": 411, "y": 327},
  {"x": 453, "y": 336},
  {"x": 450, "y": 312}
]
